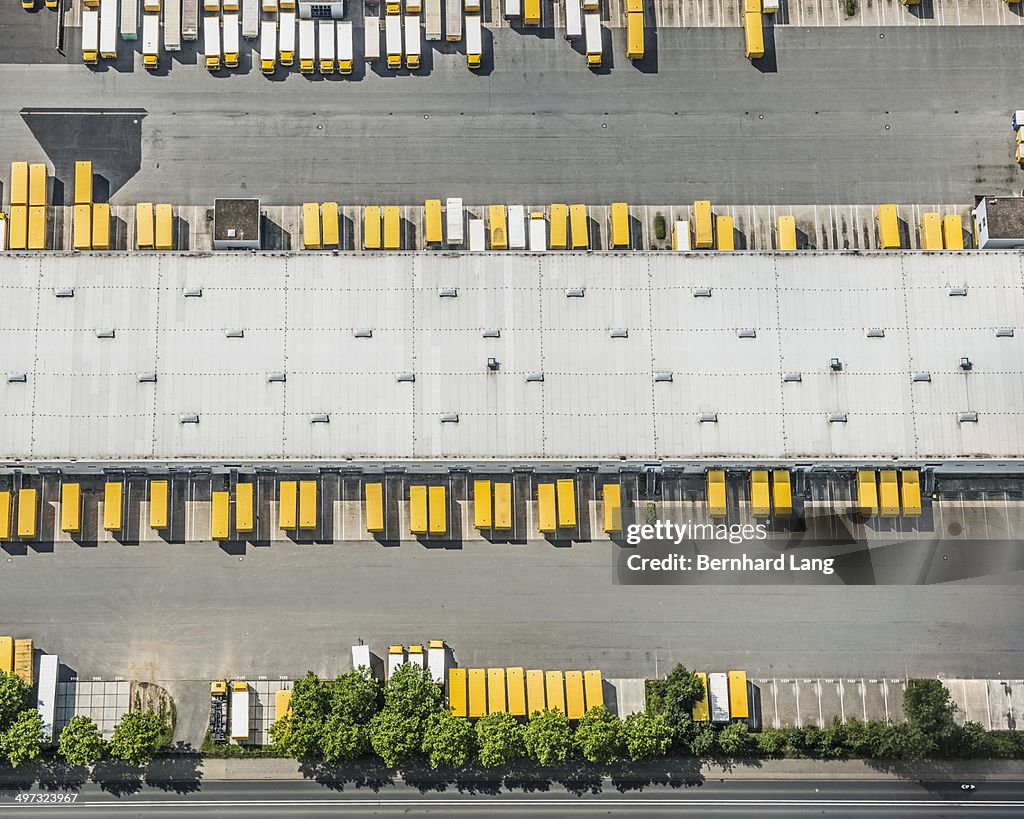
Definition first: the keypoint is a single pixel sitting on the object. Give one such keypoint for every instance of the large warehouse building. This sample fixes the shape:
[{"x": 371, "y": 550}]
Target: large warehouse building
[{"x": 236, "y": 356}]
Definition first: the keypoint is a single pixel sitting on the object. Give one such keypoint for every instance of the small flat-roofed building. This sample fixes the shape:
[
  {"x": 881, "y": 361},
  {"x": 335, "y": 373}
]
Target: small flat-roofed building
[
  {"x": 237, "y": 224},
  {"x": 999, "y": 222}
]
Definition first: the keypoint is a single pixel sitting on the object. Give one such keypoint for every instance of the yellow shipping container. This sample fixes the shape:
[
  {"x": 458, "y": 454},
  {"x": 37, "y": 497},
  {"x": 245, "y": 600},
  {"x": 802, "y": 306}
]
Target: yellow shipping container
[
  {"x": 546, "y": 519},
  {"x": 438, "y": 510},
  {"x": 911, "y": 484},
  {"x": 566, "y": 503},
  {"x": 703, "y": 233},
  {"x": 374, "y": 500},
  {"x": 113, "y": 506},
  {"x": 499, "y": 227},
  {"x": 782, "y": 493},
  {"x": 159, "y": 492},
  {"x": 70, "y": 507},
  {"x": 392, "y": 228},
  {"x": 5, "y": 515},
  {"x": 101, "y": 226},
  {"x": 716, "y": 493},
  {"x": 578, "y": 223},
  {"x": 287, "y": 506},
  {"x": 612, "y": 497},
  {"x": 867, "y": 494},
  {"x": 753, "y": 33},
  {"x": 760, "y": 503},
  {"x": 496, "y": 702},
  {"x": 594, "y": 688},
  {"x": 457, "y": 691},
  {"x": 220, "y": 520},
  {"x": 432, "y": 216},
  {"x": 37, "y": 184},
  {"x": 28, "y": 513},
  {"x": 535, "y": 700},
  {"x": 311, "y": 225},
  {"x": 888, "y": 227},
  {"x": 953, "y": 231},
  {"x": 888, "y": 494},
  {"x": 245, "y": 508},
  {"x": 371, "y": 227},
  {"x": 555, "y": 690},
  {"x": 330, "y": 234},
  {"x": 725, "y": 235},
  {"x": 785, "y": 233},
  {"x": 558, "y": 233},
  {"x": 17, "y": 228},
  {"x": 931, "y": 231},
  {"x": 164, "y": 228},
  {"x": 23, "y": 661},
  {"x": 482, "y": 515},
  {"x": 503, "y": 506},
  {"x": 418, "y": 510},
  {"x": 19, "y": 183},
  {"x": 144, "y": 225},
  {"x": 739, "y": 707},
  {"x": 516, "y": 685},
  {"x": 635, "y": 35},
  {"x": 81, "y": 227},
  {"x": 7, "y": 654},
  {"x": 574, "y": 706},
  {"x": 477, "y": 692},
  {"x": 37, "y": 228},
  {"x": 83, "y": 183},
  {"x": 620, "y": 225}
]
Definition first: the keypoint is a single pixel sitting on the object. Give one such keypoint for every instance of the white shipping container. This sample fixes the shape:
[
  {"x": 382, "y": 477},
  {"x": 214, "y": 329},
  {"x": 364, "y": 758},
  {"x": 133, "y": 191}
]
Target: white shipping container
[
  {"x": 592, "y": 29},
  {"x": 190, "y": 20},
  {"x": 211, "y": 36},
  {"x": 361, "y": 656},
  {"x": 307, "y": 40},
  {"x": 718, "y": 696},
  {"x": 90, "y": 30},
  {"x": 46, "y": 697},
  {"x": 770, "y": 6},
  {"x": 108, "y": 28},
  {"x": 453, "y": 216},
  {"x": 371, "y": 39},
  {"x": 151, "y": 34},
  {"x": 286, "y": 34},
  {"x": 513, "y": 8},
  {"x": 474, "y": 35},
  {"x": 1018, "y": 120},
  {"x": 240, "y": 714},
  {"x": 393, "y": 35},
  {"x": 268, "y": 40},
  {"x": 231, "y": 34},
  {"x": 345, "y": 42},
  {"x": 172, "y": 25},
  {"x": 573, "y": 20},
  {"x": 250, "y": 19},
  {"x": 453, "y": 20},
  {"x": 437, "y": 662},
  {"x": 516, "y": 227},
  {"x": 326, "y": 38},
  {"x": 130, "y": 16},
  {"x": 395, "y": 661},
  {"x": 477, "y": 235},
  {"x": 681, "y": 236},
  {"x": 412, "y": 35},
  {"x": 538, "y": 235},
  {"x": 433, "y": 20}
]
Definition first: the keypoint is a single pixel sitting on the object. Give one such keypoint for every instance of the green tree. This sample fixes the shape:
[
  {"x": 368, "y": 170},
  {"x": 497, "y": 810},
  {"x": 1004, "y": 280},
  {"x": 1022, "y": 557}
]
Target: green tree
[
  {"x": 342, "y": 740},
  {"x": 647, "y": 736},
  {"x": 15, "y": 697},
  {"x": 448, "y": 740},
  {"x": 599, "y": 735},
  {"x": 355, "y": 696},
  {"x": 395, "y": 737},
  {"x": 735, "y": 740},
  {"x": 683, "y": 689},
  {"x": 22, "y": 741},
  {"x": 770, "y": 742},
  {"x": 137, "y": 737},
  {"x": 702, "y": 740},
  {"x": 412, "y": 692},
  {"x": 499, "y": 739},
  {"x": 298, "y": 733},
  {"x": 931, "y": 719},
  {"x": 548, "y": 738},
  {"x": 81, "y": 742}
]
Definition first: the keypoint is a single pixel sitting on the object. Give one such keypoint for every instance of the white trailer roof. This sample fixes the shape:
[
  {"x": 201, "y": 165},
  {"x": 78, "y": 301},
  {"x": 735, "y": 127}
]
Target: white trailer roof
[{"x": 730, "y": 355}]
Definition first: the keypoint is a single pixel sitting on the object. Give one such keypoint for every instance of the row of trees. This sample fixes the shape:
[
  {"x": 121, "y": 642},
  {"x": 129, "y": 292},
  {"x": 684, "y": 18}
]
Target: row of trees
[
  {"x": 137, "y": 737},
  {"x": 351, "y": 716}
]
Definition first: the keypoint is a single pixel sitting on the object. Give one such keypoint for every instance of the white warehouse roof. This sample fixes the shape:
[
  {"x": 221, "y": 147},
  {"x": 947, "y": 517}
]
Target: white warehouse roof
[{"x": 82, "y": 396}]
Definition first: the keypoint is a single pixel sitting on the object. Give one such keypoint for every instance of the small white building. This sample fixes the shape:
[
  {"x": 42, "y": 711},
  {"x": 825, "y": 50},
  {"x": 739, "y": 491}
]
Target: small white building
[
  {"x": 999, "y": 222},
  {"x": 237, "y": 224}
]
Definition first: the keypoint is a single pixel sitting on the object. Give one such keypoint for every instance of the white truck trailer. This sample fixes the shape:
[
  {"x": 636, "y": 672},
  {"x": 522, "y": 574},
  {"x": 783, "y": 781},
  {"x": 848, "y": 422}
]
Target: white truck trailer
[
  {"x": 371, "y": 39},
  {"x": 345, "y": 47},
  {"x": 573, "y": 20},
  {"x": 190, "y": 20},
  {"x": 90, "y": 36},
  {"x": 307, "y": 46},
  {"x": 172, "y": 25},
  {"x": 474, "y": 41},
  {"x": 151, "y": 41},
  {"x": 718, "y": 696},
  {"x": 432, "y": 20},
  {"x": 286, "y": 37},
  {"x": 592, "y": 32},
  {"x": 453, "y": 20},
  {"x": 130, "y": 19},
  {"x": 268, "y": 46},
  {"x": 453, "y": 217},
  {"x": 240, "y": 711},
  {"x": 231, "y": 43},
  {"x": 538, "y": 232},
  {"x": 46, "y": 699},
  {"x": 211, "y": 42},
  {"x": 437, "y": 661},
  {"x": 516, "y": 227},
  {"x": 250, "y": 19},
  {"x": 477, "y": 236},
  {"x": 513, "y": 9},
  {"x": 412, "y": 41},
  {"x": 393, "y": 40},
  {"x": 326, "y": 40},
  {"x": 108, "y": 29}
]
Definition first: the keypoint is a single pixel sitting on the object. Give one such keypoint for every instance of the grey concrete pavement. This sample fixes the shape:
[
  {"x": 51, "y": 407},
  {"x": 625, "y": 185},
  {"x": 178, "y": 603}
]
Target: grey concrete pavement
[
  {"x": 831, "y": 115},
  {"x": 167, "y": 612}
]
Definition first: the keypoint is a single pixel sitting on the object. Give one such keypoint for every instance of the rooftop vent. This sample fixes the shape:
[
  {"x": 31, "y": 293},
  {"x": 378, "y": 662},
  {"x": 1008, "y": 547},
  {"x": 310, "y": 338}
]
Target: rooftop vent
[
  {"x": 708, "y": 418},
  {"x": 966, "y": 363},
  {"x": 237, "y": 332},
  {"x": 922, "y": 376},
  {"x": 193, "y": 292},
  {"x": 105, "y": 333},
  {"x": 448, "y": 293},
  {"x": 147, "y": 378},
  {"x": 792, "y": 377},
  {"x": 17, "y": 378},
  {"x": 574, "y": 292},
  {"x": 702, "y": 292},
  {"x": 835, "y": 364},
  {"x": 492, "y": 334},
  {"x": 1004, "y": 332},
  {"x": 64, "y": 292},
  {"x": 663, "y": 376},
  {"x": 276, "y": 377},
  {"x": 837, "y": 418},
  {"x": 747, "y": 332},
  {"x": 407, "y": 377},
  {"x": 535, "y": 376},
  {"x": 189, "y": 418},
  {"x": 320, "y": 418},
  {"x": 958, "y": 291},
  {"x": 968, "y": 417},
  {"x": 876, "y": 332},
  {"x": 450, "y": 418},
  {"x": 364, "y": 332},
  {"x": 620, "y": 332}
]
